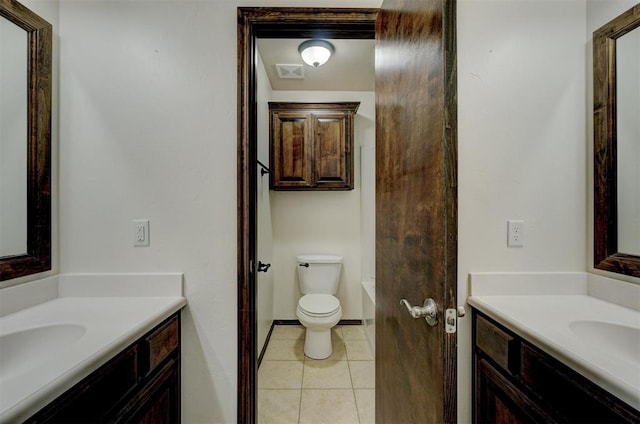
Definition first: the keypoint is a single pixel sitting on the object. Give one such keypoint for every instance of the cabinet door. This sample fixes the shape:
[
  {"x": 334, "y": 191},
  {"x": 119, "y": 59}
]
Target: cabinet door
[
  {"x": 569, "y": 393},
  {"x": 498, "y": 401},
  {"x": 159, "y": 401},
  {"x": 332, "y": 150},
  {"x": 90, "y": 400},
  {"x": 291, "y": 154}
]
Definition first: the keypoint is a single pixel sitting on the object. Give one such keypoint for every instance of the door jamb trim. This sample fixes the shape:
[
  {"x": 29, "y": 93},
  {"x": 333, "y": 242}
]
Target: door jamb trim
[{"x": 350, "y": 23}]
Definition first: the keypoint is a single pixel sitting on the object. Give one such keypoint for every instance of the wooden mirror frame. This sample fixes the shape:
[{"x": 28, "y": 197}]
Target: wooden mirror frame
[
  {"x": 605, "y": 237},
  {"x": 38, "y": 255}
]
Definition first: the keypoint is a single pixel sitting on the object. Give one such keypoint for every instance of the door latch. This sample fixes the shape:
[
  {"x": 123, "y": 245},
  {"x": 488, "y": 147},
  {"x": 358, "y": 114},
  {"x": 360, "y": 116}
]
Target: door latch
[{"x": 451, "y": 318}]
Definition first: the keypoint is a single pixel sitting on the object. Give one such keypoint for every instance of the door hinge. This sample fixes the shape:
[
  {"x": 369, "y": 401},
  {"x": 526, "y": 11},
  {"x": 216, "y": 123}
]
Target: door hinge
[{"x": 451, "y": 319}]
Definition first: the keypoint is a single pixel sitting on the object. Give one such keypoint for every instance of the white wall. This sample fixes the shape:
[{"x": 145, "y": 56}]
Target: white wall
[
  {"x": 264, "y": 280},
  {"x": 522, "y": 149},
  {"x": 322, "y": 222},
  {"x": 368, "y": 211},
  {"x": 149, "y": 130}
]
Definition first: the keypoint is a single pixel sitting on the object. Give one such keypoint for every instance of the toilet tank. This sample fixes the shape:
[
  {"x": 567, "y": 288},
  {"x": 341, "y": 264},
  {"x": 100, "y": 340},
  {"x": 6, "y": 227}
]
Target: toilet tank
[{"x": 319, "y": 274}]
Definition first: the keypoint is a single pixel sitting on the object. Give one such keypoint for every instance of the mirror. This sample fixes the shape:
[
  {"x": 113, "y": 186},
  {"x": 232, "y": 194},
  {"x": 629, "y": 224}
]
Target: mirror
[
  {"x": 13, "y": 133},
  {"x": 616, "y": 75},
  {"x": 25, "y": 141},
  {"x": 628, "y": 142}
]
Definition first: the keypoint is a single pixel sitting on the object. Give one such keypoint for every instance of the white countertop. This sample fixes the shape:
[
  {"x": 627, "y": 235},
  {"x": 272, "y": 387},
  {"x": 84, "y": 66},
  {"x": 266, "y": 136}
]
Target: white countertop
[
  {"x": 542, "y": 312},
  {"x": 113, "y": 317}
]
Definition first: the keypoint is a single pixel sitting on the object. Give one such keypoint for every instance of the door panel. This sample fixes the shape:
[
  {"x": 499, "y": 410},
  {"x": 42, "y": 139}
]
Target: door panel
[
  {"x": 291, "y": 149},
  {"x": 331, "y": 135},
  {"x": 416, "y": 214}
]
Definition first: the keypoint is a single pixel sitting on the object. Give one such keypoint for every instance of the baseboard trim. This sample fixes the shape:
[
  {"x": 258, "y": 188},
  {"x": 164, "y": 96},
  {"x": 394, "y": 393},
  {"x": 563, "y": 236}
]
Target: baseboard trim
[
  {"x": 286, "y": 322},
  {"x": 266, "y": 343},
  {"x": 296, "y": 322},
  {"x": 350, "y": 322}
]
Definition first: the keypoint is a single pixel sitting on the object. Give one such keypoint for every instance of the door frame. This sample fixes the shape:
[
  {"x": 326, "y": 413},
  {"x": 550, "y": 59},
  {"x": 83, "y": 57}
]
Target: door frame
[
  {"x": 255, "y": 22},
  {"x": 411, "y": 19}
]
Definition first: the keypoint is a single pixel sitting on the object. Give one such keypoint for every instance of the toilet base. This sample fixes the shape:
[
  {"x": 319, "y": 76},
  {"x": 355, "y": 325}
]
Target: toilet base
[{"x": 317, "y": 343}]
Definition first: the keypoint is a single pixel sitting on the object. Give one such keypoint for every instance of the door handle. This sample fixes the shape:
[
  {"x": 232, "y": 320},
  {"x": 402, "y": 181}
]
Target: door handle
[{"x": 428, "y": 311}]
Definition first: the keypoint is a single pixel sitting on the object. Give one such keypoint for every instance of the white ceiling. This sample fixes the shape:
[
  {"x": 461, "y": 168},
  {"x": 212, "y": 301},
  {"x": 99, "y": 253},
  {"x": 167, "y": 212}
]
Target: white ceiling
[{"x": 351, "y": 68}]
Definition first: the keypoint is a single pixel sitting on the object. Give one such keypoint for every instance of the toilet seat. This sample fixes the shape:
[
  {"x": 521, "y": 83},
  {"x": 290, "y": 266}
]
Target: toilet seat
[{"x": 318, "y": 305}]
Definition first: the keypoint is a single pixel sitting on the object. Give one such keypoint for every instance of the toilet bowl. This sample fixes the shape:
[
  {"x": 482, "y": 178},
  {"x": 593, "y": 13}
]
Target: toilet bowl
[
  {"x": 318, "y": 309},
  {"x": 318, "y": 313}
]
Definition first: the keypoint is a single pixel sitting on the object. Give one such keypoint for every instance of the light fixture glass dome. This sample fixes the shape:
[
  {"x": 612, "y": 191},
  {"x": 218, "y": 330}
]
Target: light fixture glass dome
[{"x": 315, "y": 52}]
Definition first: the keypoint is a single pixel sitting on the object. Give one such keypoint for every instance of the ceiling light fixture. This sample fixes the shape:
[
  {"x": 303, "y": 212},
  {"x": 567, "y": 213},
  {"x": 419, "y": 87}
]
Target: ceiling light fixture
[{"x": 316, "y": 52}]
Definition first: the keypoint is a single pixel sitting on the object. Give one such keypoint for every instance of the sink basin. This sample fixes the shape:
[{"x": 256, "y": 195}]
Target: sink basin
[
  {"x": 619, "y": 339},
  {"x": 24, "y": 349}
]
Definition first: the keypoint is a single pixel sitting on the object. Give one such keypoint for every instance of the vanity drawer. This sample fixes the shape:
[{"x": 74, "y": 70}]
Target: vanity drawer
[
  {"x": 162, "y": 342},
  {"x": 497, "y": 344}
]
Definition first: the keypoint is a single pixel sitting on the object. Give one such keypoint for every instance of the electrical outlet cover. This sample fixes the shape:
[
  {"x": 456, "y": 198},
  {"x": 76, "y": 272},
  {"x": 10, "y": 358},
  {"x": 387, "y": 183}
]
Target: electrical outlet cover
[
  {"x": 515, "y": 233},
  {"x": 140, "y": 230}
]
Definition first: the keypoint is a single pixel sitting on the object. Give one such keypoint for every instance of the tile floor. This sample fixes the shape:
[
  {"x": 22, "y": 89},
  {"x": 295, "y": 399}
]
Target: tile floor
[{"x": 298, "y": 390}]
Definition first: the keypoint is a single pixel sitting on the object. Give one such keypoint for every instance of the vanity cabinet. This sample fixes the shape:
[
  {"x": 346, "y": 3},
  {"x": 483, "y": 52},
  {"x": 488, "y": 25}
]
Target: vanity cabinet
[
  {"x": 311, "y": 145},
  {"x": 139, "y": 385},
  {"x": 515, "y": 382}
]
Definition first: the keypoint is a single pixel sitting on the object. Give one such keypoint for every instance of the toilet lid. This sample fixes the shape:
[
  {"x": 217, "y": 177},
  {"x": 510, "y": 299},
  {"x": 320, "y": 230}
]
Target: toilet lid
[{"x": 319, "y": 304}]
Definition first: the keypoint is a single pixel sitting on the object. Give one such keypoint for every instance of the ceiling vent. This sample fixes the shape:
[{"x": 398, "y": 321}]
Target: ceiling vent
[{"x": 290, "y": 71}]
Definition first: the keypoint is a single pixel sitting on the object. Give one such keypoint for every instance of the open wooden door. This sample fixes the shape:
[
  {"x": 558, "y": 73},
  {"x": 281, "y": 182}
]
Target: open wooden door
[{"x": 416, "y": 209}]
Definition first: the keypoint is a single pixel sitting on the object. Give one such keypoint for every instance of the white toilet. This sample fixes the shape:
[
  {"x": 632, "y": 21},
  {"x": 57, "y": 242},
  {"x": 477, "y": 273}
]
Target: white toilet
[{"x": 318, "y": 308}]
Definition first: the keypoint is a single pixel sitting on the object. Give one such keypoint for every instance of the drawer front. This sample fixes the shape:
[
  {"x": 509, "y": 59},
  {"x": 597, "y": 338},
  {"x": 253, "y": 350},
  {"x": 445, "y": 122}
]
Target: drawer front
[
  {"x": 500, "y": 346},
  {"x": 162, "y": 342}
]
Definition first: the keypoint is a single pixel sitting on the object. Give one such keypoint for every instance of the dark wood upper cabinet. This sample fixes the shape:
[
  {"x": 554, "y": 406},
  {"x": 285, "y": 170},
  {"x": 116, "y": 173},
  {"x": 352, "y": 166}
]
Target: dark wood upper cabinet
[{"x": 311, "y": 145}]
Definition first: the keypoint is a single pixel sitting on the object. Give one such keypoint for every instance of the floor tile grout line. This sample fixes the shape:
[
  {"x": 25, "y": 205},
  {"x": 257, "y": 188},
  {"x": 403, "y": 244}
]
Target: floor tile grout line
[
  {"x": 349, "y": 364},
  {"x": 301, "y": 387},
  {"x": 353, "y": 392}
]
